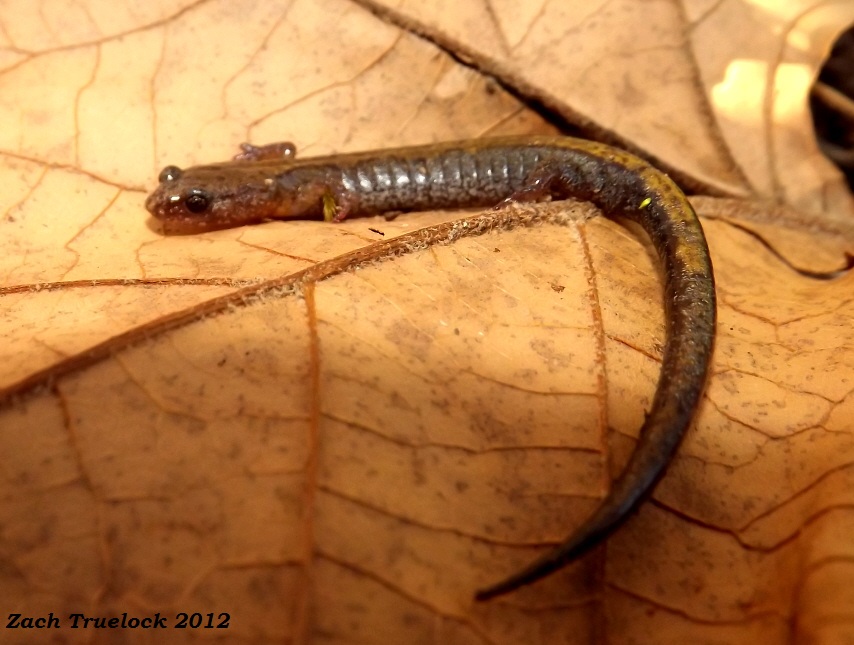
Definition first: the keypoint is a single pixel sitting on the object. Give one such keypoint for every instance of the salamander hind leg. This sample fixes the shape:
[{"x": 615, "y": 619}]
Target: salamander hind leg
[{"x": 538, "y": 185}]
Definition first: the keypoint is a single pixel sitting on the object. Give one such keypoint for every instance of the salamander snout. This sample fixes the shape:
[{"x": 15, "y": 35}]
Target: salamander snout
[
  {"x": 205, "y": 198},
  {"x": 169, "y": 198}
]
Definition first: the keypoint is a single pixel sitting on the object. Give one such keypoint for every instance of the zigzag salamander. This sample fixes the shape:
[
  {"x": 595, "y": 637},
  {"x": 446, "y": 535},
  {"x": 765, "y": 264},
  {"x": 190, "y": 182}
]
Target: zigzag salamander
[{"x": 269, "y": 183}]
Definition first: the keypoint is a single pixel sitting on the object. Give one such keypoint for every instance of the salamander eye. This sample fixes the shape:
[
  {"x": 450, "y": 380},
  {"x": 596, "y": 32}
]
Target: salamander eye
[
  {"x": 170, "y": 173},
  {"x": 197, "y": 201}
]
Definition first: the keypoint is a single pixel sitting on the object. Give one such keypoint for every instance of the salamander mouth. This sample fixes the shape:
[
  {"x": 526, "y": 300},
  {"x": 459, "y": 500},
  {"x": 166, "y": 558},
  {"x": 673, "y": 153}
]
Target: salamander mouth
[
  {"x": 174, "y": 219},
  {"x": 172, "y": 224}
]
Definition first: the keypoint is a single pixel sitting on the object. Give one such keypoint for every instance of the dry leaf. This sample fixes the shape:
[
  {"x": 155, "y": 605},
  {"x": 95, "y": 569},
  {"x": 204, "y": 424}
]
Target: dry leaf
[{"x": 281, "y": 424}]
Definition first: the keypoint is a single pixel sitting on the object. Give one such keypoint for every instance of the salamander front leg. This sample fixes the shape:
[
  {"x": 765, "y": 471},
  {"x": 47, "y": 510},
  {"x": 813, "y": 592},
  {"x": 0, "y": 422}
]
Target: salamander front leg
[
  {"x": 283, "y": 150},
  {"x": 336, "y": 208}
]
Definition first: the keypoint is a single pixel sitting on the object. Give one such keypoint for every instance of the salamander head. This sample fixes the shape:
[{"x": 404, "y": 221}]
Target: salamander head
[{"x": 205, "y": 198}]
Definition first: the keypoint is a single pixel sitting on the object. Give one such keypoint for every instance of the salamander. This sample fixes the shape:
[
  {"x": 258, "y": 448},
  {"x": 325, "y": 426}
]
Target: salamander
[{"x": 269, "y": 182}]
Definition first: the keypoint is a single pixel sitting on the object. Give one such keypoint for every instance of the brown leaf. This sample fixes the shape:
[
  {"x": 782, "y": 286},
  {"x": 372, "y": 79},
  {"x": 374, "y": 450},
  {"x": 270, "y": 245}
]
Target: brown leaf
[{"x": 334, "y": 434}]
